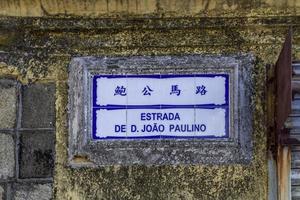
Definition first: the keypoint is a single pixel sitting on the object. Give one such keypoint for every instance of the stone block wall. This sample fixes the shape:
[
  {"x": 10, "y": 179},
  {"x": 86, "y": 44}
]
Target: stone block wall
[{"x": 27, "y": 137}]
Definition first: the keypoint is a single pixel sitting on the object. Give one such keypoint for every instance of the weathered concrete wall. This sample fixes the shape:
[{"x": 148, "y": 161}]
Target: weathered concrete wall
[{"x": 40, "y": 49}]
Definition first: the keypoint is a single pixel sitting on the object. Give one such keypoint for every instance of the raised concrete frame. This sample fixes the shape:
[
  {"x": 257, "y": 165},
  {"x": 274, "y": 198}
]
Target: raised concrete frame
[{"x": 237, "y": 149}]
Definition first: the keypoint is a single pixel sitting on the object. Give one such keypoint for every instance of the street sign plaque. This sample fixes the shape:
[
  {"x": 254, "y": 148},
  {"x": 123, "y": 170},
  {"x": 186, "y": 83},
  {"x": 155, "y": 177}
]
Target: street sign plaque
[
  {"x": 160, "y": 110},
  {"x": 160, "y": 106}
]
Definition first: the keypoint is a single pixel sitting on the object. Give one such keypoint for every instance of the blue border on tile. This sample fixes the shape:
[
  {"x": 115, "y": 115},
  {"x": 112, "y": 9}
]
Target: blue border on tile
[{"x": 96, "y": 107}]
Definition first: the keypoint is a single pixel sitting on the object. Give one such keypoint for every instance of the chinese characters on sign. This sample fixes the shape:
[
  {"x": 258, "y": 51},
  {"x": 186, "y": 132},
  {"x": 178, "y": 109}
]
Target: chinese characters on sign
[
  {"x": 147, "y": 90},
  {"x": 160, "y": 106},
  {"x": 201, "y": 90},
  {"x": 175, "y": 90},
  {"x": 121, "y": 90}
]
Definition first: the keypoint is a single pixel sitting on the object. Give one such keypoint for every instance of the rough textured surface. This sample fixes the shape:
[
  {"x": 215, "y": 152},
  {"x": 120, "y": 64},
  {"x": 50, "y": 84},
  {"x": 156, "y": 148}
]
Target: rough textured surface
[
  {"x": 2, "y": 197},
  {"x": 245, "y": 182},
  {"x": 8, "y": 102},
  {"x": 175, "y": 182},
  {"x": 38, "y": 106},
  {"x": 40, "y": 49},
  {"x": 36, "y": 154},
  {"x": 7, "y": 156},
  {"x": 32, "y": 192}
]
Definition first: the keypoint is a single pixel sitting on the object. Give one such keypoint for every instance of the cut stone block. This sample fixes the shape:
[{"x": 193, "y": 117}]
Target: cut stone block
[
  {"x": 33, "y": 192},
  {"x": 8, "y": 102},
  {"x": 7, "y": 156},
  {"x": 36, "y": 154},
  {"x": 38, "y": 106}
]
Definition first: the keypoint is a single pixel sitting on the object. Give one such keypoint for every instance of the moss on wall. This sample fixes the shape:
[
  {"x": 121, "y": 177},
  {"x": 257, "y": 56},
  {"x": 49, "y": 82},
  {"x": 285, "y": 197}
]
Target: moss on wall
[{"x": 42, "y": 50}]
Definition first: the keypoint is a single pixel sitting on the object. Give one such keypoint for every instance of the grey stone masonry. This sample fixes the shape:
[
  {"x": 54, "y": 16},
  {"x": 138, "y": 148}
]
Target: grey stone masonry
[
  {"x": 7, "y": 156},
  {"x": 36, "y": 158},
  {"x": 36, "y": 152},
  {"x": 33, "y": 192},
  {"x": 27, "y": 137},
  {"x": 38, "y": 102},
  {"x": 8, "y": 101},
  {"x": 1, "y": 193}
]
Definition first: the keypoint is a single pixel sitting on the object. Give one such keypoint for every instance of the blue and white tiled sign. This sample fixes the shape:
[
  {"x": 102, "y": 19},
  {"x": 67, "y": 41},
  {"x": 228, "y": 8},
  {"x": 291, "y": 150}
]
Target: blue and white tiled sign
[{"x": 160, "y": 106}]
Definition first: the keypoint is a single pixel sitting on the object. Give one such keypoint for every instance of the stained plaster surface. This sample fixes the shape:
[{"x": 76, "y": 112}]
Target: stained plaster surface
[
  {"x": 166, "y": 182},
  {"x": 232, "y": 181},
  {"x": 47, "y": 59}
]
